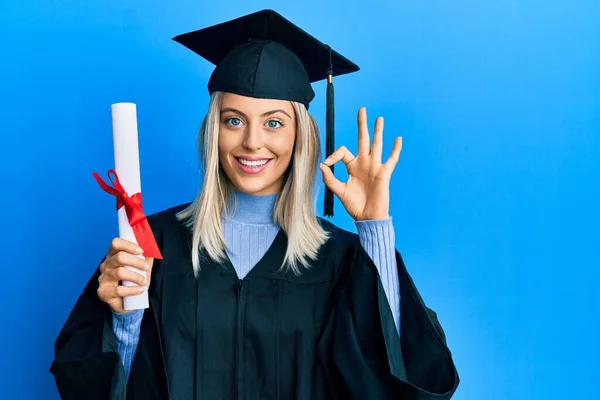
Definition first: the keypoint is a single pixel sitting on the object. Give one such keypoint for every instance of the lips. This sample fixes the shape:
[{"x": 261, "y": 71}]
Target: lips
[{"x": 252, "y": 165}]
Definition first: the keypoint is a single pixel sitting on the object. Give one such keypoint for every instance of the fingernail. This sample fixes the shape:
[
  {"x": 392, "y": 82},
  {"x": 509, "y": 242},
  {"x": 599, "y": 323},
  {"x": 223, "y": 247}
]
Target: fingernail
[
  {"x": 326, "y": 161},
  {"x": 141, "y": 289},
  {"x": 145, "y": 282},
  {"x": 147, "y": 266},
  {"x": 139, "y": 250}
]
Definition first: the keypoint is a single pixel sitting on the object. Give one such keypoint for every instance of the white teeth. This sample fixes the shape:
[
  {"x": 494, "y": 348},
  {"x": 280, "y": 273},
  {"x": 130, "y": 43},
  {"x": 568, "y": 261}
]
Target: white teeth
[{"x": 253, "y": 163}]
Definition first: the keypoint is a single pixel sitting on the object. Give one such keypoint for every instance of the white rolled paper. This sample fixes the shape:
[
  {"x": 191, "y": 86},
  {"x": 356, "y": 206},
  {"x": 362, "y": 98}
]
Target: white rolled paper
[{"x": 127, "y": 166}]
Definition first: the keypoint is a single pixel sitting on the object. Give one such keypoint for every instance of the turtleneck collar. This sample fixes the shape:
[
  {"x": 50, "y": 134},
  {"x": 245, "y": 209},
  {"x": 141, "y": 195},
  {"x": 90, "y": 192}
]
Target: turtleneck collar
[{"x": 252, "y": 209}]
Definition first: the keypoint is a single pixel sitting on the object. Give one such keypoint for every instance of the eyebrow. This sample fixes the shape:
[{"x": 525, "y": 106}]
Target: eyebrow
[{"x": 229, "y": 109}]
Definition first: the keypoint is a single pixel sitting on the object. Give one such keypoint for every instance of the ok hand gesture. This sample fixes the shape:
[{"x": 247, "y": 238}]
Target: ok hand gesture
[{"x": 366, "y": 194}]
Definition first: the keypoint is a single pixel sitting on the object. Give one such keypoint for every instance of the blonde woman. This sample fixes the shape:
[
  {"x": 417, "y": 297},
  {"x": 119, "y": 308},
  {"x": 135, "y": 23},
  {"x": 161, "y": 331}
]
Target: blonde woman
[{"x": 256, "y": 297}]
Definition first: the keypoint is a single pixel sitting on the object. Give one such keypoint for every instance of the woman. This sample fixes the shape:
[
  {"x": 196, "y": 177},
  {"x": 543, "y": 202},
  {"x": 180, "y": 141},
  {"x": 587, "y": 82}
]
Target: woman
[{"x": 256, "y": 297}]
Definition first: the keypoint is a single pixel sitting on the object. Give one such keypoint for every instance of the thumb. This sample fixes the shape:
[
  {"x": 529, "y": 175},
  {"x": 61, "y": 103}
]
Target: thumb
[
  {"x": 150, "y": 262},
  {"x": 336, "y": 186}
]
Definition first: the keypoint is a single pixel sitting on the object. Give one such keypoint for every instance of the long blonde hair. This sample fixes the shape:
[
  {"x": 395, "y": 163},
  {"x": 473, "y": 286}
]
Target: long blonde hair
[{"x": 295, "y": 206}]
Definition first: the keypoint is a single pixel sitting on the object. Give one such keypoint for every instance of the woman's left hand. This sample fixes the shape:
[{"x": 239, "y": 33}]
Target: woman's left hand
[{"x": 366, "y": 194}]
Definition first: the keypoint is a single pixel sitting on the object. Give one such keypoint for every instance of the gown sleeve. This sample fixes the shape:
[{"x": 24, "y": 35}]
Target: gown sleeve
[
  {"x": 363, "y": 355},
  {"x": 86, "y": 362}
]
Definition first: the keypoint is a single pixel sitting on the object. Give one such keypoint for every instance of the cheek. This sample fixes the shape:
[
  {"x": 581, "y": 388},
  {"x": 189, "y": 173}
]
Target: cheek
[
  {"x": 284, "y": 146},
  {"x": 225, "y": 144}
]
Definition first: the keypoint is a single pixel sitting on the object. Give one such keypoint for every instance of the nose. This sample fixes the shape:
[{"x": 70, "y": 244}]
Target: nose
[{"x": 253, "y": 138}]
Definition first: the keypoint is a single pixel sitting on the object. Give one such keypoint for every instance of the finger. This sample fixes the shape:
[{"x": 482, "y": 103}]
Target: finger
[
  {"x": 391, "y": 162},
  {"x": 107, "y": 293},
  {"x": 124, "y": 274},
  {"x": 342, "y": 153},
  {"x": 364, "y": 141},
  {"x": 101, "y": 294},
  {"x": 336, "y": 186},
  {"x": 124, "y": 291},
  {"x": 123, "y": 258},
  {"x": 102, "y": 267},
  {"x": 377, "y": 140},
  {"x": 150, "y": 262},
  {"x": 119, "y": 244}
]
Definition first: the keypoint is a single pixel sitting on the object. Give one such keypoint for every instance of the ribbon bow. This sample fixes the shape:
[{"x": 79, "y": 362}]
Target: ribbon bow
[{"x": 135, "y": 214}]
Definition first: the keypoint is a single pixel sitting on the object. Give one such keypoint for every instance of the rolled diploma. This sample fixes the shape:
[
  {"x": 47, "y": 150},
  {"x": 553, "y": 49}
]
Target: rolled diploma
[{"x": 127, "y": 166}]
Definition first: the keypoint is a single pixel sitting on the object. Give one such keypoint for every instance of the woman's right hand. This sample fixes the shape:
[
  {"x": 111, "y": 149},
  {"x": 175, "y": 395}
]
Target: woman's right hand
[{"x": 112, "y": 272}]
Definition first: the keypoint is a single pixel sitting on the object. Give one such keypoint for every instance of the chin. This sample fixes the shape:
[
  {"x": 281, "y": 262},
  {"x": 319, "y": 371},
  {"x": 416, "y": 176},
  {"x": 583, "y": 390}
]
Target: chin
[{"x": 257, "y": 189}]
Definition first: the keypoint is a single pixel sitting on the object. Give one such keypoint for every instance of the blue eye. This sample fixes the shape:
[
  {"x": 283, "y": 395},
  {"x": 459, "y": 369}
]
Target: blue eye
[
  {"x": 274, "y": 124},
  {"x": 233, "y": 121}
]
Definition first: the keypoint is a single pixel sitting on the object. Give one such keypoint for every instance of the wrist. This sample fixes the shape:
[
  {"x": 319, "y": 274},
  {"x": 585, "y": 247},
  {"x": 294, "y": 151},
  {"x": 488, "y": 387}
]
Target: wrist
[
  {"x": 374, "y": 217},
  {"x": 126, "y": 314}
]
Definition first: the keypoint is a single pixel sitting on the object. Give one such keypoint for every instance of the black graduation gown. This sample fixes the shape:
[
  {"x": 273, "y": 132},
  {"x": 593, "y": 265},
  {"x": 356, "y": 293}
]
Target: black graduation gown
[{"x": 327, "y": 334}]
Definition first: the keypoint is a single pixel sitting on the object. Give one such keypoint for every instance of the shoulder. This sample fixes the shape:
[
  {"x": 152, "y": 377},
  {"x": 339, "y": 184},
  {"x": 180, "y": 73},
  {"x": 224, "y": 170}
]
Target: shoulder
[
  {"x": 166, "y": 224},
  {"x": 340, "y": 244},
  {"x": 338, "y": 236}
]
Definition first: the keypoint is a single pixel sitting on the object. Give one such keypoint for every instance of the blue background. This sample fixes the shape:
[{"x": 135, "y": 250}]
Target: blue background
[{"x": 495, "y": 200}]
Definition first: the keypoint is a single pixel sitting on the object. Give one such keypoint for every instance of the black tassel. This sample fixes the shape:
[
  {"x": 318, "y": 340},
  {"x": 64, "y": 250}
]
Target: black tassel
[{"x": 330, "y": 136}]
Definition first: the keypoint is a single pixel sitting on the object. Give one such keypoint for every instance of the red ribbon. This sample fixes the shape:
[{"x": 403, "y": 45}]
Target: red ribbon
[{"x": 135, "y": 213}]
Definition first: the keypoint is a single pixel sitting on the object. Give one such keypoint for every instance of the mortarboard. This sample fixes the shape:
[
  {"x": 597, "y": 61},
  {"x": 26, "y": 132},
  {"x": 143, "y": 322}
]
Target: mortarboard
[{"x": 264, "y": 55}]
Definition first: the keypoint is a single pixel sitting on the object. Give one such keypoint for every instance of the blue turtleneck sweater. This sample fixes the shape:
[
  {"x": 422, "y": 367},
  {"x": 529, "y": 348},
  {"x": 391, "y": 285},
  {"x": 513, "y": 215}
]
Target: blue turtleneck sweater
[{"x": 249, "y": 231}]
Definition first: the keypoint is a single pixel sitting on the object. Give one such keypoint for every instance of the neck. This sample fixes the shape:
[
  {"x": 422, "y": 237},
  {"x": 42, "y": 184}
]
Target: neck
[{"x": 251, "y": 209}]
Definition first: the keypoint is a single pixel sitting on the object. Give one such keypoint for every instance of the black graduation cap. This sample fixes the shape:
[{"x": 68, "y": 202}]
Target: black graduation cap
[{"x": 264, "y": 55}]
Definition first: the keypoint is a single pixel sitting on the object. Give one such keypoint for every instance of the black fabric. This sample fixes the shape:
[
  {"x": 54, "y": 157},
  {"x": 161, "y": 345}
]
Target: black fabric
[
  {"x": 86, "y": 364},
  {"x": 265, "y": 55},
  {"x": 327, "y": 334}
]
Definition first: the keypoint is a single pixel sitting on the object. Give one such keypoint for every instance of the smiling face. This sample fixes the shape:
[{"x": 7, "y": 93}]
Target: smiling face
[{"x": 256, "y": 142}]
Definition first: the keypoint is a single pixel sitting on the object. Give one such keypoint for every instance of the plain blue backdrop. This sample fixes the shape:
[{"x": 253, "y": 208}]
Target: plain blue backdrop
[{"x": 495, "y": 200}]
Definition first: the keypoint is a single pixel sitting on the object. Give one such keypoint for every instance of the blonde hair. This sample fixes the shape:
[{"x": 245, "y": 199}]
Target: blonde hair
[{"x": 295, "y": 205}]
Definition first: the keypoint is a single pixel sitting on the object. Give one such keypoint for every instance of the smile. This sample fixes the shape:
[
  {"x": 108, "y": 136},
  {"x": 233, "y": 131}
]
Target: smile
[{"x": 252, "y": 166}]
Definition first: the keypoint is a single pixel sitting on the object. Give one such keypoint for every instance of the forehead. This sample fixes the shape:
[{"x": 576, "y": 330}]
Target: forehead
[{"x": 255, "y": 106}]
